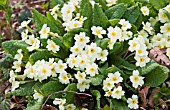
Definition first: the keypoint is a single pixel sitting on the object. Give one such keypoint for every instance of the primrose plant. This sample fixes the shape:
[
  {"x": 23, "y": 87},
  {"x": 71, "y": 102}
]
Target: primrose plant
[{"x": 85, "y": 48}]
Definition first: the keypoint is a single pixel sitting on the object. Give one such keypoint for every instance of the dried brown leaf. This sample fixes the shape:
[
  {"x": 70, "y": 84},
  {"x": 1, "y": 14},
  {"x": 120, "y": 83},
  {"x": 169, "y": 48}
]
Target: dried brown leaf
[
  {"x": 143, "y": 95},
  {"x": 158, "y": 55},
  {"x": 151, "y": 97}
]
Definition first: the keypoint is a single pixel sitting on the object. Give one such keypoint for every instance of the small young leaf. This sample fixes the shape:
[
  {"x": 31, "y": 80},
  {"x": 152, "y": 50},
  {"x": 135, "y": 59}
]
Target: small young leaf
[{"x": 34, "y": 106}]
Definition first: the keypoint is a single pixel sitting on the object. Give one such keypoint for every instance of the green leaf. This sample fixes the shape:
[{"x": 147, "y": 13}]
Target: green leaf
[
  {"x": 157, "y": 76},
  {"x": 24, "y": 15},
  {"x": 132, "y": 14},
  {"x": 40, "y": 20},
  {"x": 103, "y": 68},
  {"x": 116, "y": 12},
  {"x": 57, "y": 23},
  {"x": 158, "y": 4},
  {"x": 99, "y": 18},
  {"x": 117, "y": 47},
  {"x": 53, "y": 3},
  {"x": 148, "y": 68},
  {"x": 34, "y": 106},
  {"x": 12, "y": 46},
  {"x": 70, "y": 96},
  {"x": 103, "y": 4},
  {"x": 104, "y": 43},
  {"x": 114, "y": 22},
  {"x": 5, "y": 104},
  {"x": 87, "y": 11},
  {"x": 128, "y": 2},
  {"x": 118, "y": 61},
  {"x": 51, "y": 87},
  {"x": 167, "y": 13},
  {"x": 25, "y": 89},
  {"x": 118, "y": 105},
  {"x": 98, "y": 96},
  {"x": 97, "y": 80},
  {"x": 3, "y": 4},
  {"x": 138, "y": 21},
  {"x": 39, "y": 55},
  {"x": 5, "y": 61}
]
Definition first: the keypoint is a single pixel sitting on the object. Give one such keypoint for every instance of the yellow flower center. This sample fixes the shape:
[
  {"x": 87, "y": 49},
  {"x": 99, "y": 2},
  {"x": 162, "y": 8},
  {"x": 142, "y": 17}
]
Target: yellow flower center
[
  {"x": 44, "y": 71},
  {"x": 114, "y": 79},
  {"x": 117, "y": 92},
  {"x": 134, "y": 102},
  {"x": 139, "y": 51},
  {"x": 64, "y": 78},
  {"x": 32, "y": 41},
  {"x": 81, "y": 40},
  {"x": 142, "y": 59},
  {"x": 61, "y": 66},
  {"x": 91, "y": 69},
  {"x": 82, "y": 62},
  {"x": 75, "y": 25},
  {"x": 39, "y": 95},
  {"x": 44, "y": 31},
  {"x": 68, "y": 11},
  {"x": 80, "y": 76},
  {"x": 101, "y": 54},
  {"x": 168, "y": 29},
  {"x": 52, "y": 45},
  {"x": 92, "y": 51},
  {"x": 98, "y": 32},
  {"x": 114, "y": 34},
  {"x": 134, "y": 44},
  {"x": 73, "y": 61},
  {"x": 109, "y": 93},
  {"x": 136, "y": 78},
  {"x": 164, "y": 16}
]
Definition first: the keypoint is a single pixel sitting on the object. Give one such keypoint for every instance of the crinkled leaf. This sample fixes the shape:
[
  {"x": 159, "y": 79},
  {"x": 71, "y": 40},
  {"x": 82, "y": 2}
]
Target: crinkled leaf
[
  {"x": 87, "y": 11},
  {"x": 34, "y": 105},
  {"x": 5, "y": 104},
  {"x": 118, "y": 105},
  {"x": 117, "y": 47},
  {"x": 97, "y": 94},
  {"x": 128, "y": 2},
  {"x": 25, "y": 89},
  {"x": 118, "y": 61},
  {"x": 51, "y": 87},
  {"x": 40, "y": 20},
  {"x": 132, "y": 14},
  {"x": 148, "y": 68},
  {"x": 97, "y": 80},
  {"x": 157, "y": 76},
  {"x": 57, "y": 22},
  {"x": 158, "y": 4},
  {"x": 39, "y": 55},
  {"x": 24, "y": 15},
  {"x": 99, "y": 18},
  {"x": 116, "y": 12},
  {"x": 12, "y": 46}
]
